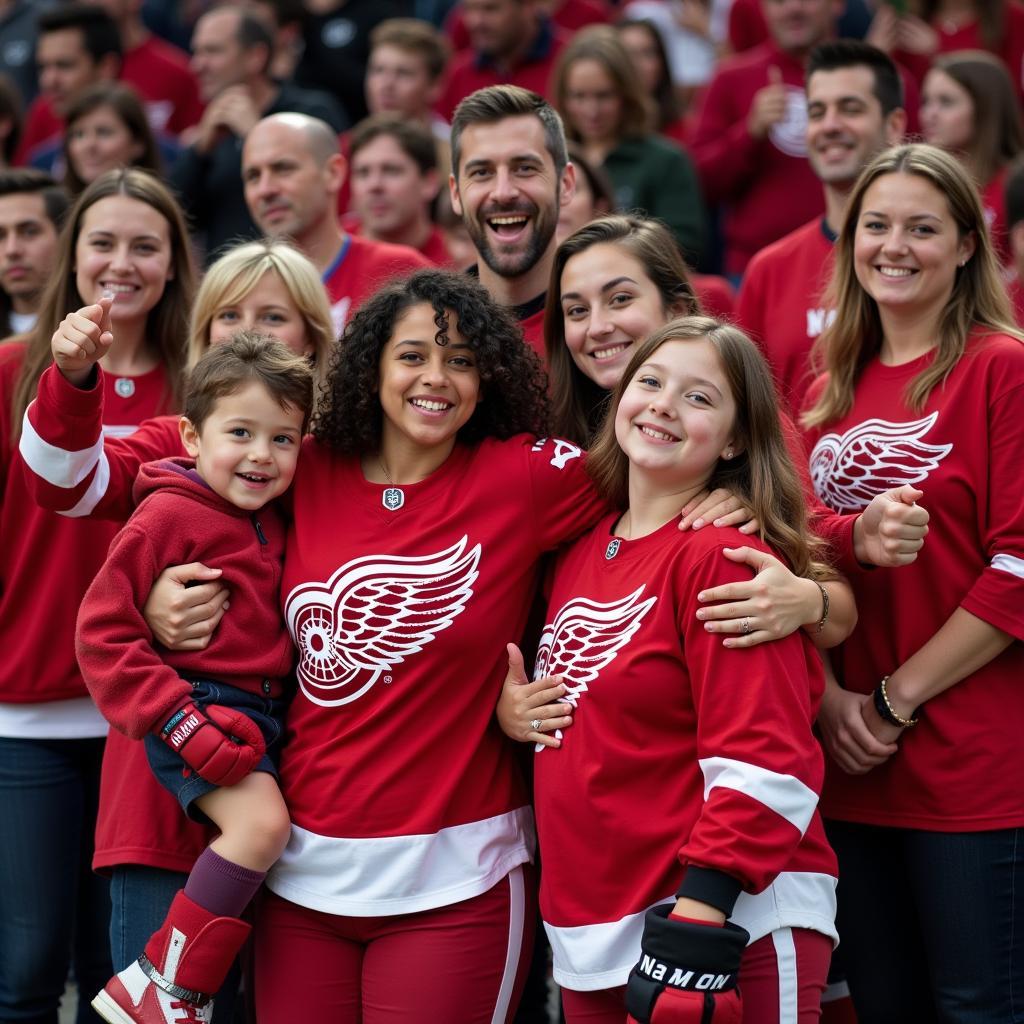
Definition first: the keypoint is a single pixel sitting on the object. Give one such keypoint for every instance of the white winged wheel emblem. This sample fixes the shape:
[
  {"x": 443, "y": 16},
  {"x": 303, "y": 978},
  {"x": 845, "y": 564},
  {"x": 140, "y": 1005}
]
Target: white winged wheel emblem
[
  {"x": 585, "y": 637},
  {"x": 848, "y": 470},
  {"x": 372, "y": 614}
]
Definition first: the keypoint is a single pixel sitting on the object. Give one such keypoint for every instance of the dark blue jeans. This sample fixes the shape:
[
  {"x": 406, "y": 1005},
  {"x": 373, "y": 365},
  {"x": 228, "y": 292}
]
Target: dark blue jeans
[
  {"x": 53, "y": 910},
  {"x": 140, "y": 897},
  {"x": 931, "y": 924}
]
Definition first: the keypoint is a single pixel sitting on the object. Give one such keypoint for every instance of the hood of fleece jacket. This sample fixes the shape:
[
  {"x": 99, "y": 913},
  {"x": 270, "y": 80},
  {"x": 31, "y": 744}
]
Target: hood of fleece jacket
[{"x": 179, "y": 474}]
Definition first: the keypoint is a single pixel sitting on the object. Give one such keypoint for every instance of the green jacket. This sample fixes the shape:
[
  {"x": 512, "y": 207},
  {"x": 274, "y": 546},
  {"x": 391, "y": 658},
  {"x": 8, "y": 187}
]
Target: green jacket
[{"x": 653, "y": 176}]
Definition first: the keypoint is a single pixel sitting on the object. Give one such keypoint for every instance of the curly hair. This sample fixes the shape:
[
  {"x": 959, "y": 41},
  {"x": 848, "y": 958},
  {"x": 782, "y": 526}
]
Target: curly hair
[{"x": 513, "y": 386}]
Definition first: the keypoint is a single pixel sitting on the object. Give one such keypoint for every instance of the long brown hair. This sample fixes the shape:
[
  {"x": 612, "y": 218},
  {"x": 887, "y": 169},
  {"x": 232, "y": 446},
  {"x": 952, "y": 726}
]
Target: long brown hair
[
  {"x": 601, "y": 44},
  {"x": 978, "y": 297},
  {"x": 761, "y": 475},
  {"x": 576, "y": 401},
  {"x": 168, "y": 320},
  {"x": 998, "y": 134}
]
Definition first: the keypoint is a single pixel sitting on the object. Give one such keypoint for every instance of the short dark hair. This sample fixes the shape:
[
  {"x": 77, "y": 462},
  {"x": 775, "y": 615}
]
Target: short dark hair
[
  {"x": 248, "y": 356},
  {"x": 495, "y": 103},
  {"x": 852, "y": 53},
  {"x": 252, "y": 30},
  {"x": 350, "y": 420},
  {"x": 100, "y": 35},
  {"x": 1015, "y": 193},
  {"x": 415, "y": 141},
  {"x": 18, "y": 180},
  {"x": 413, "y": 36}
]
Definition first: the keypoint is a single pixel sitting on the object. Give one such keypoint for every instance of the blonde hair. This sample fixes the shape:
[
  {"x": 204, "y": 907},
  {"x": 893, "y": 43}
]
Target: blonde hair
[
  {"x": 238, "y": 271},
  {"x": 978, "y": 297},
  {"x": 761, "y": 475}
]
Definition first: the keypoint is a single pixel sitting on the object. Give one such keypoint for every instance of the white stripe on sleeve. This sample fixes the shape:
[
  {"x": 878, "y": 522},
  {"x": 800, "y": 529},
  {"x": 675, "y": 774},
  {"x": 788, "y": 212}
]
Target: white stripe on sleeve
[
  {"x": 1009, "y": 563},
  {"x": 786, "y": 795},
  {"x": 94, "y": 493},
  {"x": 54, "y": 465}
]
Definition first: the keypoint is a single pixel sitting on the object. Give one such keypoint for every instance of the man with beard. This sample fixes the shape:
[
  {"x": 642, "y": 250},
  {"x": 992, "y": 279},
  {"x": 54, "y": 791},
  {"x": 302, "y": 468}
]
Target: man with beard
[
  {"x": 291, "y": 173},
  {"x": 510, "y": 176},
  {"x": 854, "y": 111}
]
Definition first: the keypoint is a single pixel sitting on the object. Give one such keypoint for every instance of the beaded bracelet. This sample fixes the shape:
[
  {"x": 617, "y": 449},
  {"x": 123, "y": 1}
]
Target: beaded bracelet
[
  {"x": 886, "y": 710},
  {"x": 824, "y": 607}
]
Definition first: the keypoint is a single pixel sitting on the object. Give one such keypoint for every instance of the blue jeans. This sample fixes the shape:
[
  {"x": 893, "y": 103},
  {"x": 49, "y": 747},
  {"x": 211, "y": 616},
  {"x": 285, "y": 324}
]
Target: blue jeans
[
  {"x": 140, "y": 897},
  {"x": 53, "y": 910},
  {"x": 931, "y": 924}
]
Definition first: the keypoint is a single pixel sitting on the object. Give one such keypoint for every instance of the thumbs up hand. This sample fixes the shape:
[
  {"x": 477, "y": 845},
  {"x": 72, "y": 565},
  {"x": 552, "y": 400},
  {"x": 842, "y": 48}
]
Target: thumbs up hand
[
  {"x": 891, "y": 530},
  {"x": 769, "y": 105},
  {"x": 82, "y": 339}
]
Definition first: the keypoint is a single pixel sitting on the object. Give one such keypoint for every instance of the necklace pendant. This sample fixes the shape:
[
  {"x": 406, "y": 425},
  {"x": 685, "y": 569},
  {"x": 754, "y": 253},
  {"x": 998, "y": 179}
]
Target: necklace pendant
[
  {"x": 613, "y": 548},
  {"x": 393, "y": 498},
  {"x": 124, "y": 386}
]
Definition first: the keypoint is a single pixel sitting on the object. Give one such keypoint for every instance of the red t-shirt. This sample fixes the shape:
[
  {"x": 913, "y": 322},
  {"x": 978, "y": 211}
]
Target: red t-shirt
[
  {"x": 682, "y": 753},
  {"x": 716, "y": 295},
  {"x": 360, "y": 268},
  {"x": 403, "y": 793},
  {"x": 569, "y": 15},
  {"x": 766, "y": 186},
  {"x": 780, "y": 306},
  {"x": 959, "y": 768}
]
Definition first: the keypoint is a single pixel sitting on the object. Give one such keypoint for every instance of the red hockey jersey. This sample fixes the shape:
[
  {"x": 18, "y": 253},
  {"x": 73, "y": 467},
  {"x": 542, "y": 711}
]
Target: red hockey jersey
[
  {"x": 403, "y": 793},
  {"x": 960, "y": 768},
  {"x": 682, "y": 754}
]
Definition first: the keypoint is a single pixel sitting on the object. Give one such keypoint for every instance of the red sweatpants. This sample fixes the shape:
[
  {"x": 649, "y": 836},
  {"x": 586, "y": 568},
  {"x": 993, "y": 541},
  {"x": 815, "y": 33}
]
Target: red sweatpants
[
  {"x": 782, "y": 977},
  {"x": 461, "y": 964}
]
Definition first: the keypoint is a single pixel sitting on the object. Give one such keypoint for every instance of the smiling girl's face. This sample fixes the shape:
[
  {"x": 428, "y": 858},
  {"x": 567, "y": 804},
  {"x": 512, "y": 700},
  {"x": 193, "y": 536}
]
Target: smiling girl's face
[
  {"x": 268, "y": 308},
  {"x": 609, "y": 304},
  {"x": 677, "y": 415}
]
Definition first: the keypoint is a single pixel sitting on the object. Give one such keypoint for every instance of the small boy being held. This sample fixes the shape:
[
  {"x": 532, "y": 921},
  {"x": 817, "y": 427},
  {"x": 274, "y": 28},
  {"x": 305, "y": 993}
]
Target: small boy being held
[{"x": 207, "y": 717}]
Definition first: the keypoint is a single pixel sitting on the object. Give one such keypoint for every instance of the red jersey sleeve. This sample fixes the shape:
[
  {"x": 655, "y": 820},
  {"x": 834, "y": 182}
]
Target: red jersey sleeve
[
  {"x": 998, "y": 594},
  {"x": 761, "y": 764},
  {"x": 74, "y": 468},
  {"x": 565, "y": 501},
  {"x": 722, "y": 149},
  {"x": 131, "y": 685}
]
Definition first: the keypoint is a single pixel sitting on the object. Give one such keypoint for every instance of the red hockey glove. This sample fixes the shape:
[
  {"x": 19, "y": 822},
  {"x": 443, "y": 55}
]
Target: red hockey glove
[
  {"x": 222, "y": 745},
  {"x": 687, "y": 972}
]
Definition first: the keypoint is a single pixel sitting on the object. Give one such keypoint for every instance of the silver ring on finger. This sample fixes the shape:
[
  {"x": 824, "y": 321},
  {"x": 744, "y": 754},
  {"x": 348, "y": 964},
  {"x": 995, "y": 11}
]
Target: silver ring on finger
[
  {"x": 536, "y": 724},
  {"x": 747, "y": 628}
]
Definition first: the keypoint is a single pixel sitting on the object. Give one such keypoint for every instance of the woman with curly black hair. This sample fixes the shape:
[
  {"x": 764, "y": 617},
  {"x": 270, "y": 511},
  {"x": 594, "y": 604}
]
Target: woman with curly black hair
[{"x": 422, "y": 506}]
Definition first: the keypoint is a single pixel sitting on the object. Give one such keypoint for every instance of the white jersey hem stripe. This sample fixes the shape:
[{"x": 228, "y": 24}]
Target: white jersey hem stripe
[
  {"x": 789, "y": 981},
  {"x": 514, "y": 951},
  {"x": 786, "y": 795},
  {"x": 595, "y": 956},
  {"x": 55, "y": 465},
  {"x": 387, "y": 875}
]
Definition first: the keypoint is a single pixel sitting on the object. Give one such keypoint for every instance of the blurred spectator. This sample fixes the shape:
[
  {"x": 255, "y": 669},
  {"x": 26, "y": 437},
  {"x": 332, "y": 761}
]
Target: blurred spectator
[
  {"x": 78, "y": 45},
  {"x": 10, "y": 120},
  {"x": 18, "y": 44},
  {"x": 292, "y": 170},
  {"x": 32, "y": 208},
  {"x": 393, "y": 167},
  {"x": 337, "y": 47},
  {"x": 568, "y": 15},
  {"x": 646, "y": 49},
  {"x": 1015, "y": 230},
  {"x": 749, "y": 139},
  {"x": 969, "y": 107},
  {"x": 106, "y": 129},
  {"x": 512, "y": 42},
  {"x": 594, "y": 195},
  {"x": 854, "y": 111},
  {"x": 457, "y": 239},
  {"x": 945, "y": 26},
  {"x": 604, "y": 108},
  {"x": 158, "y": 71},
  {"x": 231, "y": 52},
  {"x": 693, "y": 31},
  {"x": 285, "y": 19}
]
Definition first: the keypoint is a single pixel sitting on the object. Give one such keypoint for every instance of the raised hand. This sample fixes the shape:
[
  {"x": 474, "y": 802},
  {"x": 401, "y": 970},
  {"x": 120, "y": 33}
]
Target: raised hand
[{"x": 81, "y": 340}]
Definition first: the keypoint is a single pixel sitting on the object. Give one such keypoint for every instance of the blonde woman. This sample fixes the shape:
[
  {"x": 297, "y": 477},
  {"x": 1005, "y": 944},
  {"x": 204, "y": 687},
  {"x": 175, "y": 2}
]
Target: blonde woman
[{"x": 923, "y": 385}]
